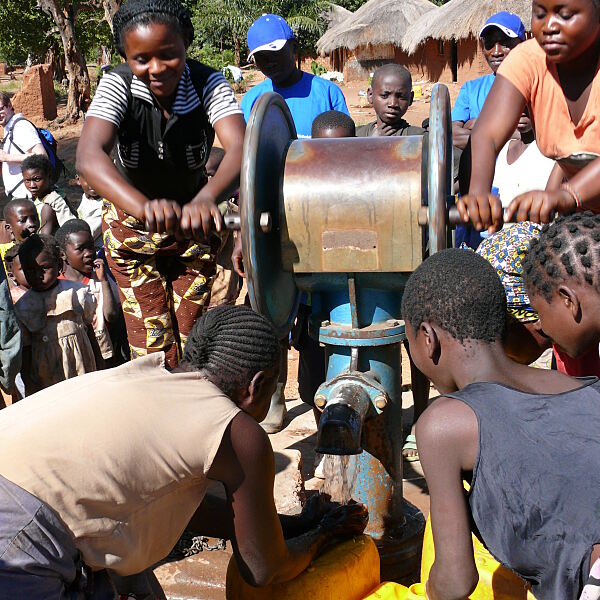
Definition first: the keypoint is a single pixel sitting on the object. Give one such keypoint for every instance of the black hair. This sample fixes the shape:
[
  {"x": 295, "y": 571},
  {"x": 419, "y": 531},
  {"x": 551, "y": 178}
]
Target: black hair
[
  {"x": 459, "y": 291},
  {"x": 71, "y": 226},
  {"x": 11, "y": 254},
  {"x": 569, "y": 247},
  {"x": 14, "y": 204},
  {"x": 231, "y": 344},
  {"x": 333, "y": 119},
  {"x": 5, "y": 99},
  {"x": 36, "y": 244},
  {"x": 38, "y": 162},
  {"x": 135, "y": 13},
  {"x": 394, "y": 68}
]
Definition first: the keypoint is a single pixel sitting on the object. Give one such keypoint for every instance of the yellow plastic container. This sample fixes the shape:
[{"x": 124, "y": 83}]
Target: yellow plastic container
[
  {"x": 495, "y": 581},
  {"x": 395, "y": 591},
  {"x": 348, "y": 571}
]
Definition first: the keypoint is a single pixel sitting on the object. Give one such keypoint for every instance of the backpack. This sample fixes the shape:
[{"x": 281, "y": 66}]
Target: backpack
[{"x": 50, "y": 146}]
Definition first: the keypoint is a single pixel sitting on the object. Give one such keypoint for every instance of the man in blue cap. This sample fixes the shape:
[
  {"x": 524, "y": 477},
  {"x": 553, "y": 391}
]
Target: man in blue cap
[
  {"x": 500, "y": 34},
  {"x": 272, "y": 45}
]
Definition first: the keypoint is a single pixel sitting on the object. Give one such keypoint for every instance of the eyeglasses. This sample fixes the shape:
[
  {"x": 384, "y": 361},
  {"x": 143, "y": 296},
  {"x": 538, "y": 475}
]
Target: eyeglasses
[{"x": 490, "y": 41}]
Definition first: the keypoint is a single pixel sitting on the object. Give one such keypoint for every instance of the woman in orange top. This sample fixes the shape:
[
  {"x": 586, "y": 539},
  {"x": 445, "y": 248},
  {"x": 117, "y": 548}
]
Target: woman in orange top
[{"x": 556, "y": 75}]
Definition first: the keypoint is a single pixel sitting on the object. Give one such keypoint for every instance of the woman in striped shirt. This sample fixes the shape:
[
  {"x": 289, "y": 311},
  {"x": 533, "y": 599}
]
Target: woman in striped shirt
[{"x": 159, "y": 112}]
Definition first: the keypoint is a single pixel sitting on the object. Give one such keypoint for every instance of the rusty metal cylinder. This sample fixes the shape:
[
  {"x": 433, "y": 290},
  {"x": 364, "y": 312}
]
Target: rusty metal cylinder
[{"x": 352, "y": 205}]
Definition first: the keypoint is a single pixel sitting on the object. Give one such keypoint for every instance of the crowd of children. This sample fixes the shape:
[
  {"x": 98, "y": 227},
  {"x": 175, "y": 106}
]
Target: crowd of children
[{"x": 475, "y": 321}]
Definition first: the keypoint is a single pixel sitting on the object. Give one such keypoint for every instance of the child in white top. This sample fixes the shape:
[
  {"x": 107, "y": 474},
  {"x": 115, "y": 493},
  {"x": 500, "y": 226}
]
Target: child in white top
[
  {"x": 52, "y": 208},
  {"x": 90, "y": 210}
]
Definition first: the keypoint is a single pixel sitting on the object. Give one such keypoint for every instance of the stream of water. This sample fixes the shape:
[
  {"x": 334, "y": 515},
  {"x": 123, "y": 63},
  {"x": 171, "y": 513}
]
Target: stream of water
[{"x": 340, "y": 475}]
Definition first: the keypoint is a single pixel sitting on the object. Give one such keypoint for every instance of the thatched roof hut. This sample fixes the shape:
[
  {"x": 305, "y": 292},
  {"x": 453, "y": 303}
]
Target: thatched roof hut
[
  {"x": 376, "y": 23},
  {"x": 461, "y": 19}
]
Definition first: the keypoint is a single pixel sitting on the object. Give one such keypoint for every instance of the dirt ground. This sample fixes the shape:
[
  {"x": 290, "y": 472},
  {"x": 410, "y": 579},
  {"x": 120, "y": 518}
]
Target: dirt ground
[{"x": 203, "y": 576}]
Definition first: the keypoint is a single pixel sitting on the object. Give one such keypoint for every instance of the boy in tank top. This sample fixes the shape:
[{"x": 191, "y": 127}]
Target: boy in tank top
[{"x": 493, "y": 412}]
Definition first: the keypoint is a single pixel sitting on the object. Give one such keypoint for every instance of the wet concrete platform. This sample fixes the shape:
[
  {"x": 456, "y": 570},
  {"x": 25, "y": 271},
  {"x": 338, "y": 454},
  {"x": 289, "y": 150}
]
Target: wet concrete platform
[{"x": 202, "y": 576}]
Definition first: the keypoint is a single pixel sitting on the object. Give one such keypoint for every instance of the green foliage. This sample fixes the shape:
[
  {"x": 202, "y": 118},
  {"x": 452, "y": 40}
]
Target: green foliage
[
  {"x": 223, "y": 24},
  {"x": 212, "y": 57},
  {"x": 316, "y": 68},
  {"x": 351, "y": 5},
  {"x": 24, "y": 30}
]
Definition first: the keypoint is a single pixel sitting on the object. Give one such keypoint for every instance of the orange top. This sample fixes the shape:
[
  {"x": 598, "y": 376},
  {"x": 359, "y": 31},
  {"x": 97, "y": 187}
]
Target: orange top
[{"x": 537, "y": 80}]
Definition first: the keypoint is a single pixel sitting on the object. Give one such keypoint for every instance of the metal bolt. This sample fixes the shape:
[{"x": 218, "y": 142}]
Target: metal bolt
[
  {"x": 265, "y": 222},
  {"x": 381, "y": 402},
  {"x": 320, "y": 401},
  {"x": 325, "y": 323}
]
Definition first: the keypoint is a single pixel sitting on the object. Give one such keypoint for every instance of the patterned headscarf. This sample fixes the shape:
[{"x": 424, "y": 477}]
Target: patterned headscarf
[{"x": 505, "y": 251}]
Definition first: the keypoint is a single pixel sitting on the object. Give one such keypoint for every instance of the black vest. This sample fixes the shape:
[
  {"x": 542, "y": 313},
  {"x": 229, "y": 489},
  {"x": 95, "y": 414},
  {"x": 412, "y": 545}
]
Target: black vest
[{"x": 164, "y": 158}]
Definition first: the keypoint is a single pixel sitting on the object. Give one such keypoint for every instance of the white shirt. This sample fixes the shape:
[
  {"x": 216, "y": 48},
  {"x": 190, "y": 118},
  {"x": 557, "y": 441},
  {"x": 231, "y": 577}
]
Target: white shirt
[
  {"x": 530, "y": 171},
  {"x": 90, "y": 210},
  {"x": 25, "y": 136}
]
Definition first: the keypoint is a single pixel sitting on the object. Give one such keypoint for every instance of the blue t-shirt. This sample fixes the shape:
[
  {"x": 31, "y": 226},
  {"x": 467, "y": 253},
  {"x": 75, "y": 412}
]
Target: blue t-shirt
[
  {"x": 306, "y": 100},
  {"x": 471, "y": 97}
]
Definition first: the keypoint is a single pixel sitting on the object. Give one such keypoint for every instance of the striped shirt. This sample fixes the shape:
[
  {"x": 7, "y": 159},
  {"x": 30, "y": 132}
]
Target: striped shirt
[{"x": 111, "y": 98}]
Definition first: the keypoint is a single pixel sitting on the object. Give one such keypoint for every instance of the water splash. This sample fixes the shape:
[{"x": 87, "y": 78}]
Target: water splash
[{"x": 340, "y": 475}]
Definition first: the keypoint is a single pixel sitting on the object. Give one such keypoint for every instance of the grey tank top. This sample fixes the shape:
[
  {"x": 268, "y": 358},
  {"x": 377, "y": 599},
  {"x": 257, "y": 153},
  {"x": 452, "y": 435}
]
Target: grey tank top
[{"x": 535, "y": 492}]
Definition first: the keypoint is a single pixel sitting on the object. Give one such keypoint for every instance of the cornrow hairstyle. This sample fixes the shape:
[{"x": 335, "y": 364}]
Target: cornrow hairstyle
[
  {"x": 36, "y": 244},
  {"x": 568, "y": 248},
  {"x": 37, "y": 162},
  {"x": 333, "y": 119},
  {"x": 15, "y": 203},
  {"x": 71, "y": 226},
  {"x": 460, "y": 292},
  {"x": 136, "y": 13},
  {"x": 231, "y": 344},
  {"x": 11, "y": 254}
]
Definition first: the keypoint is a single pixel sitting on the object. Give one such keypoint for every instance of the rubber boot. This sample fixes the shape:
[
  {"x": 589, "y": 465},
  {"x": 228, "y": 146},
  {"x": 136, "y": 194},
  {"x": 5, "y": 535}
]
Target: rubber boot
[{"x": 273, "y": 422}]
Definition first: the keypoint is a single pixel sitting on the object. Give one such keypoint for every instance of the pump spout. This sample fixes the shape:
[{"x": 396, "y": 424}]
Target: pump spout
[{"x": 340, "y": 427}]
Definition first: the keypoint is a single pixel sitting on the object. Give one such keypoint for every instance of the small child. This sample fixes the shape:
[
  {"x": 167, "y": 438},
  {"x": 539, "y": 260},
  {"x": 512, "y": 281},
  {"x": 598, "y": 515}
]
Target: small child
[
  {"x": 90, "y": 210},
  {"x": 20, "y": 221},
  {"x": 18, "y": 283},
  {"x": 51, "y": 206},
  {"x": 55, "y": 317},
  {"x": 77, "y": 251},
  {"x": 562, "y": 279},
  {"x": 390, "y": 95}
]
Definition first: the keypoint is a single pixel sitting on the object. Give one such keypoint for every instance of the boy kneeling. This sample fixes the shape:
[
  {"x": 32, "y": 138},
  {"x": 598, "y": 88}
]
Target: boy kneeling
[{"x": 528, "y": 437}]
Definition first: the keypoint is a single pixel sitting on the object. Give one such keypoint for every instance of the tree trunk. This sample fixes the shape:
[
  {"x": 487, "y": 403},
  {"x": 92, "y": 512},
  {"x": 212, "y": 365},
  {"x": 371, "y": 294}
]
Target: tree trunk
[
  {"x": 237, "y": 51},
  {"x": 79, "y": 79},
  {"x": 110, "y": 8}
]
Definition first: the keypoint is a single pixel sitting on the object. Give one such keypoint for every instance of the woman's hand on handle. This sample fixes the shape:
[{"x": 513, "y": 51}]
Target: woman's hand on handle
[
  {"x": 198, "y": 217},
  {"x": 162, "y": 216},
  {"x": 540, "y": 206},
  {"x": 484, "y": 211}
]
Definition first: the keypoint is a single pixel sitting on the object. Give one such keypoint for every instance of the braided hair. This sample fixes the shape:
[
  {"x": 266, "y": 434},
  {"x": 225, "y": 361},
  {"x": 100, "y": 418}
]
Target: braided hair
[
  {"x": 459, "y": 291},
  {"x": 69, "y": 227},
  {"x": 569, "y": 247},
  {"x": 230, "y": 344},
  {"x": 136, "y": 13}
]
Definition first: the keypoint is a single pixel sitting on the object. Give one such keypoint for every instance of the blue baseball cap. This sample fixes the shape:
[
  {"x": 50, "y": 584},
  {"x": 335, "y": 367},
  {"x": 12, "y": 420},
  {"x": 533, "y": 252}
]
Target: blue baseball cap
[
  {"x": 269, "y": 32},
  {"x": 507, "y": 22}
]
